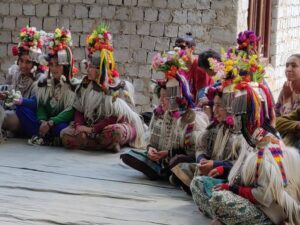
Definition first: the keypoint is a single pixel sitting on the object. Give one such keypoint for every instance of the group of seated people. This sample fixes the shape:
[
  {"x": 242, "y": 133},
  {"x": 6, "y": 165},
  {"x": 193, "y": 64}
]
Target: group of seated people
[{"x": 213, "y": 134}]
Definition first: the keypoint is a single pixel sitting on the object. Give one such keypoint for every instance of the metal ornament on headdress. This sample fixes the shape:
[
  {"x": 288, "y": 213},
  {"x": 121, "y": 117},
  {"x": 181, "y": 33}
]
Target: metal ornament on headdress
[
  {"x": 239, "y": 102},
  {"x": 173, "y": 91},
  {"x": 34, "y": 54},
  {"x": 62, "y": 57}
]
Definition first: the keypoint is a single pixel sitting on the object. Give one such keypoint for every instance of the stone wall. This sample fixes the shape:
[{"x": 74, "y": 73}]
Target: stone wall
[
  {"x": 285, "y": 38},
  {"x": 140, "y": 28}
]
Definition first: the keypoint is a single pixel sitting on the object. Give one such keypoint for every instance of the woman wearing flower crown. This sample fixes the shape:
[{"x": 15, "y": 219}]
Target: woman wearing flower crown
[
  {"x": 20, "y": 87},
  {"x": 104, "y": 117},
  {"x": 218, "y": 147},
  {"x": 55, "y": 95},
  {"x": 263, "y": 185},
  {"x": 174, "y": 126}
]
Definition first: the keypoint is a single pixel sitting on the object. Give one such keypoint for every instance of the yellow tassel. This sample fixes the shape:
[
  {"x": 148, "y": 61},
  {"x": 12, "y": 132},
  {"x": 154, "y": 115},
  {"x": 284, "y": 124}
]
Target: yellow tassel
[{"x": 102, "y": 57}]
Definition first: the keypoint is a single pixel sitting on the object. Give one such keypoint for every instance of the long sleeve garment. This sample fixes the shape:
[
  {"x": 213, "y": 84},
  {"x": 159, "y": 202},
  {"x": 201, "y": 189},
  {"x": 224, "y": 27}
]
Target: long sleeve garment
[{"x": 286, "y": 125}]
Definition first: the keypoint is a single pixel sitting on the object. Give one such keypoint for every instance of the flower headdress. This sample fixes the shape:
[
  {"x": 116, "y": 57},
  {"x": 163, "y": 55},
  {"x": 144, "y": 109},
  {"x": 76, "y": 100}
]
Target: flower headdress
[
  {"x": 100, "y": 52},
  {"x": 59, "y": 44},
  {"x": 237, "y": 67},
  {"x": 61, "y": 40},
  {"x": 248, "y": 98},
  {"x": 248, "y": 41},
  {"x": 173, "y": 65},
  {"x": 29, "y": 40},
  {"x": 243, "y": 90}
]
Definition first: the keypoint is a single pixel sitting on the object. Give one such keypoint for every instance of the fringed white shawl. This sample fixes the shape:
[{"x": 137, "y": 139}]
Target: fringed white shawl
[
  {"x": 96, "y": 104},
  {"x": 61, "y": 91},
  {"x": 269, "y": 174}
]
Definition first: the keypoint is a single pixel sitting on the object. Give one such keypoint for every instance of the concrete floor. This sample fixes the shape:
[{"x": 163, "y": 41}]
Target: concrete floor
[{"x": 48, "y": 185}]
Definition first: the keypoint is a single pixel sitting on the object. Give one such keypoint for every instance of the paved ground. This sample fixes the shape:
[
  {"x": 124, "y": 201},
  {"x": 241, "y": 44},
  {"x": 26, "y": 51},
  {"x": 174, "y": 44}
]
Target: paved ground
[{"x": 44, "y": 185}]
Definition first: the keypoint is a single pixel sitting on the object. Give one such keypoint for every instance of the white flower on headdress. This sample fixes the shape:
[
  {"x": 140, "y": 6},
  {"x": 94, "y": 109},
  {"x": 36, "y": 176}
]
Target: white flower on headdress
[{"x": 176, "y": 49}]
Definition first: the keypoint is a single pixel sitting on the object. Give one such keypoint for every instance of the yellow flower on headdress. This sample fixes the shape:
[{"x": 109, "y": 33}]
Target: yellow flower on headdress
[
  {"x": 22, "y": 34},
  {"x": 57, "y": 33}
]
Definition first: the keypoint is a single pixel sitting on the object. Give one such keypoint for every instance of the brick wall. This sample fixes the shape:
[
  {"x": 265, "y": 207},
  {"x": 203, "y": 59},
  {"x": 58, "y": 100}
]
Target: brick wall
[
  {"x": 139, "y": 27},
  {"x": 285, "y": 37}
]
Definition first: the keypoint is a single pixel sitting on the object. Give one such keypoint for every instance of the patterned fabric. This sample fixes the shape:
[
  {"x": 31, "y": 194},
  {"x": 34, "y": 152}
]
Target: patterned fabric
[
  {"x": 120, "y": 133},
  {"x": 227, "y": 207},
  {"x": 25, "y": 84},
  {"x": 209, "y": 140},
  {"x": 276, "y": 151},
  {"x": 162, "y": 135}
]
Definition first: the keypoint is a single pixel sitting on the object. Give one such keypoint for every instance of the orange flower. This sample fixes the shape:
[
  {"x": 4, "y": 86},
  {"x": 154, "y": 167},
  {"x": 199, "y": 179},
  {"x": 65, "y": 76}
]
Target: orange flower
[
  {"x": 226, "y": 83},
  {"x": 247, "y": 78}
]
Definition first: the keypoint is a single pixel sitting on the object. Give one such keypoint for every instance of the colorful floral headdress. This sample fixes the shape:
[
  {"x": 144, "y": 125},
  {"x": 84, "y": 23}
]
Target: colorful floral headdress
[
  {"x": 173, "y": 65},
  {"x": 99, "y": 39},
  {"x": 60, "y": 40},
  {"x": 29, "y": 40},
  {"x": 170, "y": 63},
  {"x": 100, "y": 52},
  {"x": 236, "y": 67},
  {"x": 243, "y": 90},
  {"x": 59, "y": 44}
]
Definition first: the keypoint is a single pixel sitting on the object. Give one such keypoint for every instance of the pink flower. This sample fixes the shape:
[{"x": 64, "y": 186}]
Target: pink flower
[
  {"x": 157, "y": 61},
  {"x": 181, "y": 53},
  {"x": 229, "y": 120}
]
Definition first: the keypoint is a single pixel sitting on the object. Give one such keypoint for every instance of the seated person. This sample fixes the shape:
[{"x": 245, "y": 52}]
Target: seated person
[
  {"x": 289, "y": 97},
  {"x": 196, "y": 75},
  {"x": 20, "y": 86},
  {"x": 218, "y": 147},
  {"x": 289, "y": 128},
  {"x": 104, "y": 115},
  {"x": 174, "y": 127},
  {"x": 55, "y": 95}
]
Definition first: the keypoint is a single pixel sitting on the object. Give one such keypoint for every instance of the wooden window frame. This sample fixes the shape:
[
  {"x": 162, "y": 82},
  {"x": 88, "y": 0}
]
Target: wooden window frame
[{"x": 259, "y": 20}]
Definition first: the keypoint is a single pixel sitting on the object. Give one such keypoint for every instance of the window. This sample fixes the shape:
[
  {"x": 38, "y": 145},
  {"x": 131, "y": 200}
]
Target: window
[{"x": 259, "y": 20}]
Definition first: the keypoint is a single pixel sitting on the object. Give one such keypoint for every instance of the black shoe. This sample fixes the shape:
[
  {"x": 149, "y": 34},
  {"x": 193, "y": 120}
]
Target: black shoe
[{"x": 139, "y": 165}]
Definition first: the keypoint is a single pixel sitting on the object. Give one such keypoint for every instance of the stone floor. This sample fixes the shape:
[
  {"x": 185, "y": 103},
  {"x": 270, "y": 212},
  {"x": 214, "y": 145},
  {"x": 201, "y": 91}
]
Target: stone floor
[{"x": 45, "y": 185}]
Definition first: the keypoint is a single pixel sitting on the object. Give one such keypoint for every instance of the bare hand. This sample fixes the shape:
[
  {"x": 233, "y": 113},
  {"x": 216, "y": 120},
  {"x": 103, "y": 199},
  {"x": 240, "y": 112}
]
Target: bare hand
[
  {"x": 152, "y": 153},
  {"x": 84, "y": 129},
  {"x": 44, "y": 129},
  {"x": 189, "y": 54},
  {"x": 3, "y": 95},
  {"x": 217, "y": 187},
  {"x": 287, "y": 90},
  {"x": 155, "y": 155},
  {"x": 213, "y": 173},
  {"x": 162, "y": 154},
  {"x": 205, "y": 166},
  {"x": 220, "y": 187}
]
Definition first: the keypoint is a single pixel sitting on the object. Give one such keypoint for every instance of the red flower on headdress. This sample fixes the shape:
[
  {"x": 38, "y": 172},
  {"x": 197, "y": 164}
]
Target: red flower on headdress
[
  {"x": 115, "y": 73},
  {"x": 226, "y": 83},
  {"x": 242, "y": 85},
  {"x": 15, "y": 50}
]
